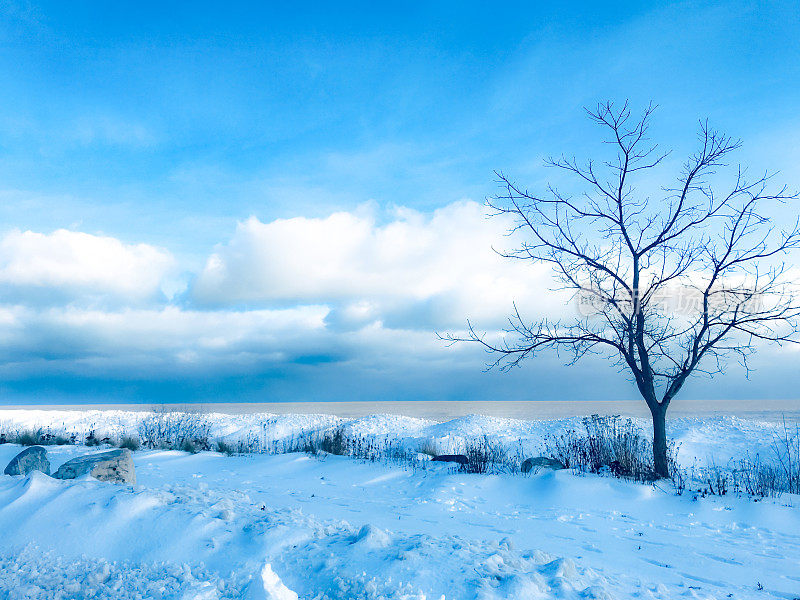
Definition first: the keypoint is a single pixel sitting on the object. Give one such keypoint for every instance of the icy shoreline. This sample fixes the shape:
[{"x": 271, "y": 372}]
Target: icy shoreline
[
  {"x": 771, "y": 410},
  {"x": 701, "y": 440}
]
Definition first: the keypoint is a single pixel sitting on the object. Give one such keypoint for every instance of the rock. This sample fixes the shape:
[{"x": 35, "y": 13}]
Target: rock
[
  {"x": 541, "y": 462},
  {"x": 456, "y": 458},
  {"x": 30, "y": 459},
  {"x": 115, "y": 466}
]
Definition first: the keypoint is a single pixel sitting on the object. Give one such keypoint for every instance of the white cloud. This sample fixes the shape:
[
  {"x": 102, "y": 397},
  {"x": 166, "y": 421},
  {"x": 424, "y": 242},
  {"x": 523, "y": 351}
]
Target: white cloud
[
  {"x": 346, "y": 289},
  {"x": 78, "y": 264},
  {"x": 173, "y": 342},
  {"x": 336, "y": 307},
  {"x": 424, "y": 269},
  {"x": 159, "y": 338}
]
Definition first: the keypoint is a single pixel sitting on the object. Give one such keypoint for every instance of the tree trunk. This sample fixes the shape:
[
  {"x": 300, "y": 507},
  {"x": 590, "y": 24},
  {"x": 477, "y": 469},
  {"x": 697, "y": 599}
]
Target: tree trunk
[{"x": 659, "y": 413}]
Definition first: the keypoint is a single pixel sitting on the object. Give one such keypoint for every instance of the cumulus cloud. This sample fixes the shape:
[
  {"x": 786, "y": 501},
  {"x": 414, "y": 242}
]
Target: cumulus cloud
[
  {"x": 362, "y": 289},
  {"x": 345, "y": 289},
  {"x": 416, "y": 269},
  {"x": 339, "y": 307},
  {"x": 69, "y": 264}
]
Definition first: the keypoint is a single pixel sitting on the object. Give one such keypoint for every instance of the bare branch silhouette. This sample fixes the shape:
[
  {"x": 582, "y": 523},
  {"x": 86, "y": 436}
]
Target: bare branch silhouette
[{"x": 625, "y": 254}]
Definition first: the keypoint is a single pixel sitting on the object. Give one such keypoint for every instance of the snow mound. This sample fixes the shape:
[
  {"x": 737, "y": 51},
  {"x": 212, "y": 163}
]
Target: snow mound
[
  {"x": 372, "y": 537},
  {"x": 30, "y": 574},
  {"x": 272, "y": 587},
  {"x": 395, "y": 426}
]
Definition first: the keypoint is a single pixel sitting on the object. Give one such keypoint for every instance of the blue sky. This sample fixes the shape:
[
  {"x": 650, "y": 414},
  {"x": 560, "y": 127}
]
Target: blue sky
[{"x": 142, "y": 146}]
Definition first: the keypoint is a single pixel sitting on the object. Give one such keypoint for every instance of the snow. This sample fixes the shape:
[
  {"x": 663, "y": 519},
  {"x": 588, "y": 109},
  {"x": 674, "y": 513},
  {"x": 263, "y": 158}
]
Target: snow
[
  {"x": 701, "y": 440},
  {"x": 282, "y": 527}
]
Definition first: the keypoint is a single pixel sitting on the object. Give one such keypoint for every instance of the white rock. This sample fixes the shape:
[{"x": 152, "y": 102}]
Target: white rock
[
  {"x": 115, "y": 466},
  {"x": 30, "y": 459}
]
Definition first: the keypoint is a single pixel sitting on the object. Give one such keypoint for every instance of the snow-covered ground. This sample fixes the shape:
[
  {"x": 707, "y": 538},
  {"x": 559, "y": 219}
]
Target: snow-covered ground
[
  {"x": 707, "y": 439},
  {"x": 293, "y": 526}
]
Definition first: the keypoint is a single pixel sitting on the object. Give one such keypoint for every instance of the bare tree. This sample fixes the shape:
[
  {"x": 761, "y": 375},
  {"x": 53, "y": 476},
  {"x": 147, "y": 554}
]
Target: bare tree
[{"x": 668, "y": 288}]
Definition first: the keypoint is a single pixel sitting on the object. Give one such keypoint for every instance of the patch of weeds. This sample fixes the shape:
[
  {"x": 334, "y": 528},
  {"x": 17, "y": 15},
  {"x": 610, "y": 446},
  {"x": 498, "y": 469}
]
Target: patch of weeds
[{"x": 129, "y": 442}]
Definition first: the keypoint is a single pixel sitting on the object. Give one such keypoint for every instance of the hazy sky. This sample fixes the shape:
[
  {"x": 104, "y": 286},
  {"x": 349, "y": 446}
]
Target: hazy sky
[{"x": 230, "y": 201}]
